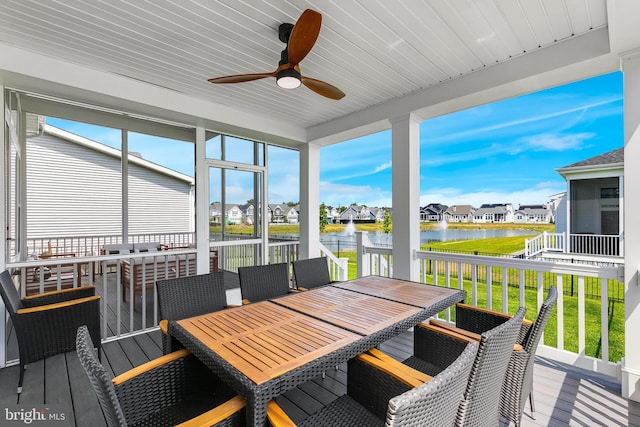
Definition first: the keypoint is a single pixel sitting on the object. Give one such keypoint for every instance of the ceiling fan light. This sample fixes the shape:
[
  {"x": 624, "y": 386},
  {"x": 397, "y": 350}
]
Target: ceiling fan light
[{"x": 288, "y": 78}]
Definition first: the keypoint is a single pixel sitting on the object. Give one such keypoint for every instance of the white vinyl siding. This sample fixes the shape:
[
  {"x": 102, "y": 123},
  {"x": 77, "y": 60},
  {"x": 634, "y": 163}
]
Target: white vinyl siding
[{"x": 73, "y": 190}]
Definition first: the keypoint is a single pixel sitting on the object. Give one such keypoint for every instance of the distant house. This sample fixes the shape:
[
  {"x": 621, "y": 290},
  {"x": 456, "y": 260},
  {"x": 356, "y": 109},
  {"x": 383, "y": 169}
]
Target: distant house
[
  {"x": 533, "y": 214},
  {"x": 74, "y": 188},
  {"x": 333, "y": 214},
  {"x": 459, "y": 213},
  {"x": 231, "y": 213},
  {"x": 494, "y": 213},
  {"x": 293, "y": 214},
  {"x": 378, "y": 213},
  {"x": 433, "y": 212},
  {"x": 591, "y": 205},
  {"x": 357, "y": 213}
]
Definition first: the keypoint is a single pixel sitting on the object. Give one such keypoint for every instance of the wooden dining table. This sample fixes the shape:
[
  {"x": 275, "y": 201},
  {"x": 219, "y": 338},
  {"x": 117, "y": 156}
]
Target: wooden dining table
[{"x": 266, "y": 348}]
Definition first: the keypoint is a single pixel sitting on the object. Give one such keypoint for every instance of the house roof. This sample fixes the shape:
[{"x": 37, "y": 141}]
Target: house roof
[
  {"x": 427, "y": 58},
  {"x": 105, "y": 149},
  {"x": 611, "y": 157},
  {"x": 460, "y": 210}
]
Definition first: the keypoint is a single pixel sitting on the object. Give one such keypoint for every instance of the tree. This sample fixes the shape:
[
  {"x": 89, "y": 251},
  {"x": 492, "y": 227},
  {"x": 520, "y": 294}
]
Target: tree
[
  {"x": 323, "y": 217},
  {"x": 387, "y": 223}
]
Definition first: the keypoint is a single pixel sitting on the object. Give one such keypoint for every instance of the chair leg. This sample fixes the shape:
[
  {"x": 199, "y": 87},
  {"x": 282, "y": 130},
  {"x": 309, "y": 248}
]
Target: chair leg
[
  {"x": 22, "y": 368},
  {"x": 533, "y": 408}
]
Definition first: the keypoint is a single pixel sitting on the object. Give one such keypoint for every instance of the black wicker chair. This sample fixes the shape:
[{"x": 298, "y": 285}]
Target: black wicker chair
[
  {"x": 46, "y": 324},
  {"x": 311, "y": 273},
  {"x": 435, "y": 348},
  {"x": 379, "y": 390},
  {"x": 184, "y": 297},
  {"x": 170, "y": 390},
  {"x": 263, "y": 282},
  {"x": 518, "y": 382}
]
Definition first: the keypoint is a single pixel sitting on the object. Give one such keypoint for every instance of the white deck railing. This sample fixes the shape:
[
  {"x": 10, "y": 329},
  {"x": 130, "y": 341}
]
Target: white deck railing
[
  {"x": 588, "y": 294},
  {"x": 593, "y": 244}
]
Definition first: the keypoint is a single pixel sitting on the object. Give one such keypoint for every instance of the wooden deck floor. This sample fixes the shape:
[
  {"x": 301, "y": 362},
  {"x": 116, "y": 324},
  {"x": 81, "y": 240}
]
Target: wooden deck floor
[{"x": 564, "y": 395}]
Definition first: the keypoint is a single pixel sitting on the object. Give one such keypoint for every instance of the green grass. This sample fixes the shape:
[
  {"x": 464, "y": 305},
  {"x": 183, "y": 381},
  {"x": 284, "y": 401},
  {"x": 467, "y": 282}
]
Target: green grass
[{"x": 570, "y": 318}]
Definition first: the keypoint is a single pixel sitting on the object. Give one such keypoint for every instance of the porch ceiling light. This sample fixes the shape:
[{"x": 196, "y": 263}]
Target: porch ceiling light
[{"x": 289, "y": 78}]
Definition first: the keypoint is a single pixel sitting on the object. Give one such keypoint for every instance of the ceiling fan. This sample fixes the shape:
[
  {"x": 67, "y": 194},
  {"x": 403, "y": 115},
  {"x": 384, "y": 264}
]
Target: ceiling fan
[{"x": 299, "y": 38}]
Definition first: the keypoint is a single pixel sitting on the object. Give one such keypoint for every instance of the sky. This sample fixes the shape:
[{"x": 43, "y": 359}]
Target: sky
[{"x": 504, "y": 152}]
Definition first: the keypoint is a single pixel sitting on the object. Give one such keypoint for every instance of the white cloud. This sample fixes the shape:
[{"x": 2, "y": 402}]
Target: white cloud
[{"x": 556, "y": 142}]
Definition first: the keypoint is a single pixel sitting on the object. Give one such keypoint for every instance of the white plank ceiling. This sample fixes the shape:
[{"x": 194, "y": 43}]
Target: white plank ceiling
[{"x": 376, "y": 51}]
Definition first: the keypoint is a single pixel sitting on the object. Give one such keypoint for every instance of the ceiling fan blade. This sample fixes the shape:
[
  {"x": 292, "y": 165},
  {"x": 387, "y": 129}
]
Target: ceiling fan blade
[
  {"x": 303, "y": 36},
  {"x": 239, "y": 78},
  {"x": 323, "y": 88}
]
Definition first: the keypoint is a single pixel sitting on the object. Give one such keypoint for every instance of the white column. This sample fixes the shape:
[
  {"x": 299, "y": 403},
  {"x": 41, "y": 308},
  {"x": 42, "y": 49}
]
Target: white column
[
  {"x": 309, "y": 201},
  {"x": 202, "y": 203},
  {"x": 405, "y": 138},
  {"x": 631, "y": 365}
]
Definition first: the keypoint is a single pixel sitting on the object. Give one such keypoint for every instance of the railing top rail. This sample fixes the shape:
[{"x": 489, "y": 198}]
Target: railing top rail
[{"x": 602, "y": 272}]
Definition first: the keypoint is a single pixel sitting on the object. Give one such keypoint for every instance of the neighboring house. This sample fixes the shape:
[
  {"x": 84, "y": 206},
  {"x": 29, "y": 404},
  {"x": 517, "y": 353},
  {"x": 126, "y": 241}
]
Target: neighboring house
[
  {"x": 333, "y": 214},
  {"x": 357, "y": 213},
  {"x": 293, "y": 214},
  {"x": 591, "y": 205},
  {"x": 494, "y": 213},
  {"x": 533, "y": 214},
  {"x": 88, "y": 201},
  {"x": 433, "y": 212},
  {"x": 276, "y": 213},
  {"x": 378, "y": 213},
  {"x": 248, "y": 212},
  {"x": 459, "y": 213},
  {"x": 233, "y": 214}
]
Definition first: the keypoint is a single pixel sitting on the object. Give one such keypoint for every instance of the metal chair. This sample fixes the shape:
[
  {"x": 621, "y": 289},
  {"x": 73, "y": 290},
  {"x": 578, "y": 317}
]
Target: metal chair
[
  {"x": 435, "y": 348},
  {"x": 184, "y": 297},
  {"x": 518, "y": 383},
  {"x": 45, "y": 324},
  {"x": 163, "y": 392},
  {"x": 378, "y": 390},
  {"x": 262, "y": 282},
  {"x": 311, "y": 273}
]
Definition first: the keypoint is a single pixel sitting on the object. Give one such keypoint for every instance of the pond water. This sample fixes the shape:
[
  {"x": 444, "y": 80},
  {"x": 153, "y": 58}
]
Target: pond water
[{"x": 342, "y": 241}]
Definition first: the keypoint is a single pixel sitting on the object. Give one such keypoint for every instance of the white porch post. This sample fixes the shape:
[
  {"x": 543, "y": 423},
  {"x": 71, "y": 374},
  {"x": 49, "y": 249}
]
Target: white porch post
[
  {"x": 309, "y": 201},
  {"x": 202, "y": 204},
  {"x": 631, "y": 366},
  {"x": 405, "y": 138}
]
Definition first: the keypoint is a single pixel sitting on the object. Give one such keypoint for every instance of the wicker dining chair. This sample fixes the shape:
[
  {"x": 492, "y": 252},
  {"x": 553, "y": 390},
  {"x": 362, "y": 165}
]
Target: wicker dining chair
[
  {"x": 46, "y": 323},
  {"x": 435, "y": 349},
  {"x": 379, "y": 391},
  {"x": 518, "y": 383},
  {"x": 167, "y": 391},
  {"x": 262, "y": 282},
  {"x": 183, "y": 297},
  {"x": 311, "y": 273}
]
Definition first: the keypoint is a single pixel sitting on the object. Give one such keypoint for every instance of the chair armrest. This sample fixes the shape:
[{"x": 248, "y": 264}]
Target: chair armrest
[
  {"x": 232, "y": 305},
  {"x": 245, "y": 302},
  {"x": 391, "y": 366},
  {"x": 217, "y": 414},
  {"x": 48, "y": 307},
  {"x": 164, "y": 326},
  {"x": 58, "y": 296},
  {"x": 300, "y": 288},
  {"x": 438, "y": 349},
  {"x": 277, "y": 417},
  {"x": 459, "y": 333},
  {"x": 149, "y": 366},
  {"x": 454, "y": 329}
]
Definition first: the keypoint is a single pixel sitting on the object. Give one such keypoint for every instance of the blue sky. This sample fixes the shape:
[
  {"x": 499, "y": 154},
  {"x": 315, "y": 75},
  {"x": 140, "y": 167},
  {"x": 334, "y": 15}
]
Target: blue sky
[{"x": 504, "y": 152}]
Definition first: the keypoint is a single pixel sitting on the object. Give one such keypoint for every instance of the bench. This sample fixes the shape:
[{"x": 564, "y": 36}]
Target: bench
[{"x": 143, "y": 272}]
